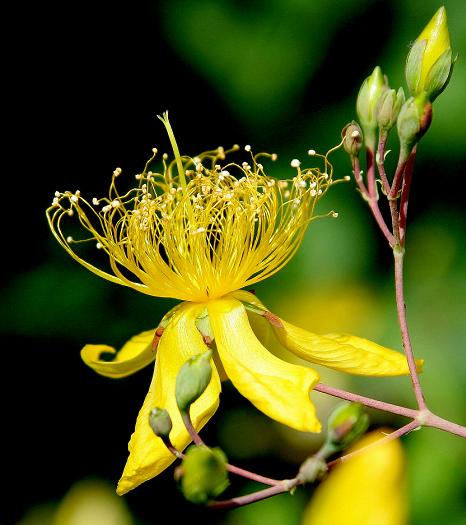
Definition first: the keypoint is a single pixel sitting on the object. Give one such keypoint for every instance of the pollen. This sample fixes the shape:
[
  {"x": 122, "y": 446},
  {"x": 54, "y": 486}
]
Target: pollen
[{"x": 197, "y": 229}]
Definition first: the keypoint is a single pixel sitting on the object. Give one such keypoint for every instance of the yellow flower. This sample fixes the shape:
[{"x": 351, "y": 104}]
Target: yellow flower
[
  {"x": 200, "y": 235},
  {"x": 368, "y": 489},
  {"x": 430, "y": 62}
]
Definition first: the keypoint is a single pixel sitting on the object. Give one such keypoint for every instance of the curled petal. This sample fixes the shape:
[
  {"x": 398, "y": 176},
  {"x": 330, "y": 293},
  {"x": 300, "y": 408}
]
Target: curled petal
[
  {"x": 343, "y": 352},
  {"x": 135, "y": 354},
  {"x": 277, "y": 388},
  {"x": 148, "y": 456}
]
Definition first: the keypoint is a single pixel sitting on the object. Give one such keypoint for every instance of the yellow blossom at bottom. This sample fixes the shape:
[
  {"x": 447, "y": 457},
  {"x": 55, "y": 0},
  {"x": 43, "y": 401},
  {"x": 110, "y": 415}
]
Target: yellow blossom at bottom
[
  {"x": 200, "y": 232},
  {"x": 367, "y": 489}
]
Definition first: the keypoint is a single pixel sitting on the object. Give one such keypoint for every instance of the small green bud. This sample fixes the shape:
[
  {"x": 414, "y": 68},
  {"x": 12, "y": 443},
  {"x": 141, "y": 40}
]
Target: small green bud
[
  {"x": 389, "y": 107},
  {"x": 366, "y": 105},
  {"x": 430, "y": 61},
  {"x": 346, "y": 424},
  {"x": 352, "y": 138},
  {"x": 192, "y": 379},
  {"x": 203, "y": 474},
  {"x": 160, "y": 422},
  {"x": 413, "y": 121}
]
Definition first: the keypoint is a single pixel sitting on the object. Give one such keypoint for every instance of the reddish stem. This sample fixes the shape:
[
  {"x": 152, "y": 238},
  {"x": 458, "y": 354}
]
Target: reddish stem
[
  {"x": 405, "y": 195},
  {"x": 398, "y": 254},
  {"x": 381, "y": 162},
  {"x": 372, "y": 201},
  {"x": 372, "y": 403},
  {"x": 255, "y": 496},
  {"x": 412, "y": 425}
]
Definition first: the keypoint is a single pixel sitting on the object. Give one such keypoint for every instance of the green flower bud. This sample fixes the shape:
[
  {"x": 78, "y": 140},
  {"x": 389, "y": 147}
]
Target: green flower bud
[
  {"x": 413, "y": 121},
  {"x": 352, "y": 138},
  {"x": 203, "y": 474},
  {"x": 366, "y": 105},
  {"x": 160, "y": 422},
  {"x": 346, "y": 424},
  {"x": 389, "y": 107},
  {"x": 192, "y": 379},
  {"x": 430, "y": 61}
]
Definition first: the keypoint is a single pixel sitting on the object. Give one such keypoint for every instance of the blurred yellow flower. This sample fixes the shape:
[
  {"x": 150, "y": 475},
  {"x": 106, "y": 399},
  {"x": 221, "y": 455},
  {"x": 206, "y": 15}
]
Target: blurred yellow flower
[
  {"x": 199, "y": 235},
  {"x": 368, "y": 489}
]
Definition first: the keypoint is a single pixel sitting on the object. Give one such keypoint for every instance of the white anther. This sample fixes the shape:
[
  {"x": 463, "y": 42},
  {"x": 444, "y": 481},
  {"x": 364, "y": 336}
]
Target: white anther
[
  {"x": 271, "y": 183},
  {"x": 274, "y": 157},
  {"x": 115, "y": 203},
  {"x": 198, "y": 167},
  {"x": 311, "y": 152},
  {"x": 73, "y": 198},
  {"x": 286, "y": 194},
  {"x": 138, "y": 176},
  {"x": 295, "y": 163},
  {"x": 165, "y": 156},
  {"x": 224, "y": 173},
  {"x": 106, "y": 208},
  {"x": 172, "y": 191},
  {"x": 198, "y": 230},
  {"x": 296, "y": 202},
  {"x": 116, "y": 172},
  {"x": 346, "y": 177},
  {"x": 313, "y": 184},
  {"x": 77, "y": 193},
  {"x": 218, "y": 167},
  {"x": 70, "y": 212},
  {"x": 247, "y": 147},
  {"x": 57, "y": 194},
  {"x": 313, "y": 193},
  {"x": 319, "y": 192},
  {"x": 283, "y": 184},
  {"x": 55, "y": 201},
  {"x": 260, "y": 166},
  {"x": 154, "y": 150},
  {"x": 69, "y": 239},
  {"x": 354, "y": 134},
  {"x": 325, "y": 175},
  {"x": 334, "y": 214},
  {"x": 98, "y": 245},
  {"x": 179, "y": 189},
  {"x": 302, "y": 183}
]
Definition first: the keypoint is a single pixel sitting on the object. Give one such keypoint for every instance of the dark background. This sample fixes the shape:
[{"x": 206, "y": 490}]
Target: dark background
[{"x": 84, "y": 83}]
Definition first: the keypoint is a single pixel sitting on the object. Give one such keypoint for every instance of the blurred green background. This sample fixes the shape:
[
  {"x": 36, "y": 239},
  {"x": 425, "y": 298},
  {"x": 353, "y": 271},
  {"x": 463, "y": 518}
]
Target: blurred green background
[{"x": 281, "y": 75}]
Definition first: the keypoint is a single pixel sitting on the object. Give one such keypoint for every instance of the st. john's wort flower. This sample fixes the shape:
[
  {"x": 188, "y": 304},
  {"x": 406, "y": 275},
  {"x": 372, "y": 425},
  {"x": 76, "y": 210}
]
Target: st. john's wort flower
[{"x": 199, "y": 232}]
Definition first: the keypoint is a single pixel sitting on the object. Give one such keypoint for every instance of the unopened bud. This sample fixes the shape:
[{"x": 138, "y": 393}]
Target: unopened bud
[
  {"x": 366, "y": 105},
  {"x": 160, "y": 422},
  {"x": 346, "y": 424},
  {"x": 413, "y": 121},
  {"x": 430, "y": 62},
  {"x": 389, "y": 107},
  {"x": 352, "y": 138},
  {"x": 192, "y": 379},
  {"x": 203, "y": 474}
]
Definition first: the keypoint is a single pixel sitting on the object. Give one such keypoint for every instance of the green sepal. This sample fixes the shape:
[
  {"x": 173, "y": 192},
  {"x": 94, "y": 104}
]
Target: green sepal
[
  {"x": 414, "y": 65},
  {"x": 439, "y": 75}
]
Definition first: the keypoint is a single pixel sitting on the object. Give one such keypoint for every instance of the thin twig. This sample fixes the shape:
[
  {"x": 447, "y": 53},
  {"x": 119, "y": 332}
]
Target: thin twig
[
  {"x": 409, "y": 427},
  {"x": 381, "y": 162},
  {"x": 240, "y": 501},
  {"x": 372, "y": 403},
  {"x": 398, "y": 255}
]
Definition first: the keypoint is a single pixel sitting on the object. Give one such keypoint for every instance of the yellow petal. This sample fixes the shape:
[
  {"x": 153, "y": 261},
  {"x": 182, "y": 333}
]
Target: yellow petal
[
  {"x": 148, "y": 456},
  {"x": 137, "y": 353},
  {"x": 367, "y": 489},
  {"x": 343, "y": 352},
  {"x": 279, "y": 389}
]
